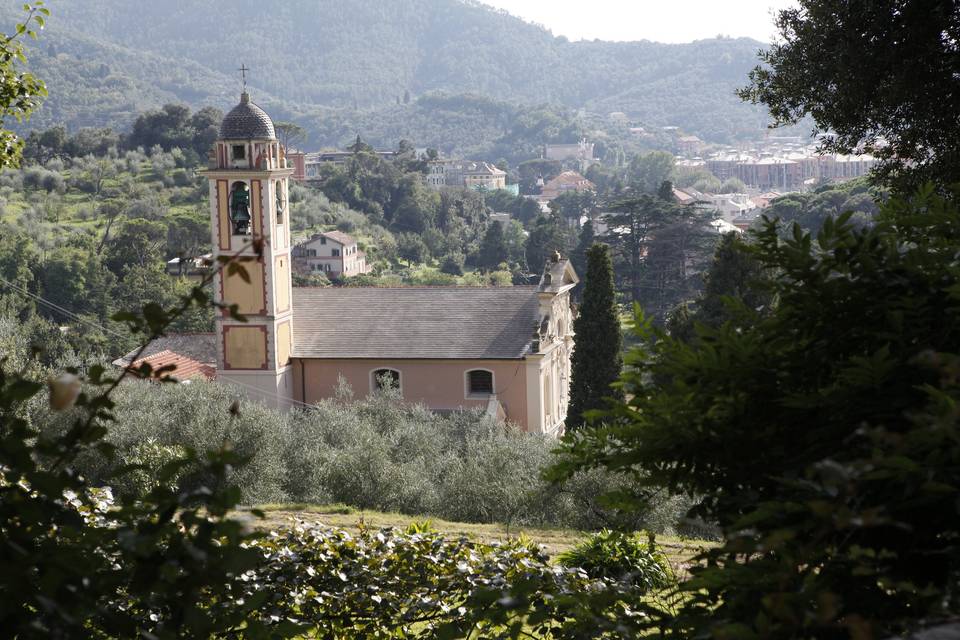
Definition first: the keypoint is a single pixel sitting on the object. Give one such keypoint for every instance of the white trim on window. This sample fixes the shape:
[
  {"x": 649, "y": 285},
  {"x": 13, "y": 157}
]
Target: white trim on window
[
  {"x": 468, "y": 394},
  {"x": 373, "y": 378}
]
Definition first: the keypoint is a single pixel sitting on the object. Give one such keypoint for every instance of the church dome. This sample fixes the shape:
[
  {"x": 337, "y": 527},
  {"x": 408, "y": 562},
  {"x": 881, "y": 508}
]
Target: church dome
[{"x": 247, "y": 121}]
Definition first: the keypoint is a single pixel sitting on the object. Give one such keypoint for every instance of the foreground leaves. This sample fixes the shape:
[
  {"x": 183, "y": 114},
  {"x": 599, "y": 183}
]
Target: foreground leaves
[
  {"x": 822, "y": 435},
  {"x": 418, "y": 584}
]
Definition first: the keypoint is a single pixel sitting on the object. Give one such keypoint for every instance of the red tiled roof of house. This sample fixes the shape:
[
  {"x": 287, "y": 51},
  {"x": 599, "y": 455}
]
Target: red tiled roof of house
[
  {"x": 566, "y": 181},
  {"x": 201, "y": 347},
  {"x": 338, "y": 236},
  {"x": 186, "y": 368}
]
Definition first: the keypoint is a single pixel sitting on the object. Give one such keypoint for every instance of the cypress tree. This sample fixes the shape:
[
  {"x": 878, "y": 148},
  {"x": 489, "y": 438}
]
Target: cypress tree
[{"x": 596, "y": 361}]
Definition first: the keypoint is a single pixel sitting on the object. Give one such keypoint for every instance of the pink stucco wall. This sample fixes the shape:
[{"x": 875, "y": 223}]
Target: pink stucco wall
[{"x": 438, "y": 384}]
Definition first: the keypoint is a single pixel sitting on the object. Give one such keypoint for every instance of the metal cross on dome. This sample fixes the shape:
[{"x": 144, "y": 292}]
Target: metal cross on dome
[{"x": 243, "y": 73}]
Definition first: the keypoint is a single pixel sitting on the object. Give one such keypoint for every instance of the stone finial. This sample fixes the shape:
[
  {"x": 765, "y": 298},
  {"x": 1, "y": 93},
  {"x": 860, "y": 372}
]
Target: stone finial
[{"x": 555, "y": 257}]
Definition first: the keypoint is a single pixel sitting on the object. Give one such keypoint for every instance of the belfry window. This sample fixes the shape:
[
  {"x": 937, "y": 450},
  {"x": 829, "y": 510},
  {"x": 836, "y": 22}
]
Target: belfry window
[
  {"x": 281, "y": 202},
  {"x": 240, "y": 208},
  {"x": 239, "y": 152}
]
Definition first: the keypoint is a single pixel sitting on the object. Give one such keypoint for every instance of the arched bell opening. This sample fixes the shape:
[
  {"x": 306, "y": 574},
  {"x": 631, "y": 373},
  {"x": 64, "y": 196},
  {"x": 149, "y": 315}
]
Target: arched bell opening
[
  {"x": 281, "y": 198},
  {"x": 240, "y": 208}
]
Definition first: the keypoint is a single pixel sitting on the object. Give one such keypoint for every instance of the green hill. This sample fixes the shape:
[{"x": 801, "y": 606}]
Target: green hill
[{"x": 345, "y": 59}]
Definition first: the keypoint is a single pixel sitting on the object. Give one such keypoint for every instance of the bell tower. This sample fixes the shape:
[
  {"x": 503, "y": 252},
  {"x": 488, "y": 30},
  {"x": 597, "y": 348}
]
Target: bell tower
[{"x": 248, "y": 176}]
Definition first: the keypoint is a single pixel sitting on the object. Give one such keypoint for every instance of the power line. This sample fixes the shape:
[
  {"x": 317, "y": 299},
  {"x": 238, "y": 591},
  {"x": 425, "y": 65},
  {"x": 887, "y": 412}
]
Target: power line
[
  {"x": 265, "y": 394},
  {"x": 78, "y": 318}
]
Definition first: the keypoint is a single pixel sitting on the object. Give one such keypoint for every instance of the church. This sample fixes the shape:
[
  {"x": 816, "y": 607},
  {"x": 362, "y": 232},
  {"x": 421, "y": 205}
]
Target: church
[{"x": 504, "y": 350}]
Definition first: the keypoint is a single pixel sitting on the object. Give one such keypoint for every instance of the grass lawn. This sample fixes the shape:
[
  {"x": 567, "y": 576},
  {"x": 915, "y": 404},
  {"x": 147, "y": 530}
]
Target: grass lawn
[{"x": 678, "y": 550}]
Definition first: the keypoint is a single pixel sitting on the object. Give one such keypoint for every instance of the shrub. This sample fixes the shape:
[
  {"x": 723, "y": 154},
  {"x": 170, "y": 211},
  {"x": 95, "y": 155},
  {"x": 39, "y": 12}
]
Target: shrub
[
  {"x": 624, "y": 557},
  {"x": 312, "y": 279},
  {"x": 431, "y": 279},
  {"x": 418, "y": 584},
  {"x": 452, "y": 264},
  {"x": 372, "y": 453},
  {"x": 501, "y": 278}
]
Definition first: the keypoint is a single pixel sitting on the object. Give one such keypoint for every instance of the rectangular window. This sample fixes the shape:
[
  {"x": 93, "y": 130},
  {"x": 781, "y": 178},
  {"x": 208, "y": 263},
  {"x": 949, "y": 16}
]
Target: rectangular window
[
  {"x": 336, "y": 253},
  {"x": 239, "y": 152},
  {"x": 323, "y": 240},
  {"x": 479, "y": 382}
]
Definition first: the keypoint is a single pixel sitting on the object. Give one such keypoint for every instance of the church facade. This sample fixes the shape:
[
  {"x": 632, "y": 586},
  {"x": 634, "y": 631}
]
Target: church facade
[{"x": 504, "y": 350}]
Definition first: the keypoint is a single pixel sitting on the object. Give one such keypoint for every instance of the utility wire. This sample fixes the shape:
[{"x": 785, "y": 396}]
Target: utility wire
[
  {"x": 78, "y": 318},
  {"x": 95, "y": 325}
]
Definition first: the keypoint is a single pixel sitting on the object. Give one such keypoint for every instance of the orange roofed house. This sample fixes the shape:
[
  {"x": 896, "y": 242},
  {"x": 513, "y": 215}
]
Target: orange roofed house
[
  {"x": 566, "y": 181},
  {"x": 503, "y": 350}
]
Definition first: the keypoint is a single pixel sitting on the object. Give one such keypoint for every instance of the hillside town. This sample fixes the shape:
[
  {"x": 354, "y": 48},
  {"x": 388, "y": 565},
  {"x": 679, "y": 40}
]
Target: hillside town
[{"x": 480, "y": 319}]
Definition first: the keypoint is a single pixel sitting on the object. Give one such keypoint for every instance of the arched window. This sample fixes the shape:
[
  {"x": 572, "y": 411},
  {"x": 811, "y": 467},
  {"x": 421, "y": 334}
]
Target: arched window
[
  {"x": 479, "y": 382},
  {"x": 381, "y": 379},
  {"x": 240, "y": 208},
  {"x": 281, "y": 201}
]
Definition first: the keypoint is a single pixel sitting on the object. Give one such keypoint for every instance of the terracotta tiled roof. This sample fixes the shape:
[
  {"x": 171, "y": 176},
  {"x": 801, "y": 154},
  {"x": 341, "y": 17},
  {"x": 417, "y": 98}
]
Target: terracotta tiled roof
[
  {"x": 201, "y": 347},
  {"x": 568, "y": 179},
  {"x": 338, "y": 236},
  {"x": 186, "y": 368}
]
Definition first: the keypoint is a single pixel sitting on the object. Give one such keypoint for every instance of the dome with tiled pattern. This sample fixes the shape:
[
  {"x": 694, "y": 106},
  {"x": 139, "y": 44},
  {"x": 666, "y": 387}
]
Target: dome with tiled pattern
[{"x": 247, "y": 121}]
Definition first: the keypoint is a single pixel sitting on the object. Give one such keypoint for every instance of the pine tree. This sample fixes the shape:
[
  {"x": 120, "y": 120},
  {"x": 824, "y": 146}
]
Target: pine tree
[
  {"x": 493, "y": 249},
  {"x": 596, "y": 361},
  {"x": 547, "y": 234}
]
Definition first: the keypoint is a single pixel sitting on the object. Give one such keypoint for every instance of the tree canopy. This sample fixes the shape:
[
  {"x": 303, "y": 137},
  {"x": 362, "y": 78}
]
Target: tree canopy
[
  {"x": 20, "y": 92},
  {"x": 820, "y": 435},
  {"x": 881, "y": 76}
]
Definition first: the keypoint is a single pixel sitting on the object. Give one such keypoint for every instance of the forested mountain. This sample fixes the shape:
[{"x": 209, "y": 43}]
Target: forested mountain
[{"x": 104, "y": 60}]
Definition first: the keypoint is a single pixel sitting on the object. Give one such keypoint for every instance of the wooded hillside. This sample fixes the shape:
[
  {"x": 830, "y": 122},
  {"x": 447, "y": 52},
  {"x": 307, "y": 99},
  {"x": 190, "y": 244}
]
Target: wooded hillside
[{"x": 103, "y": 63}]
